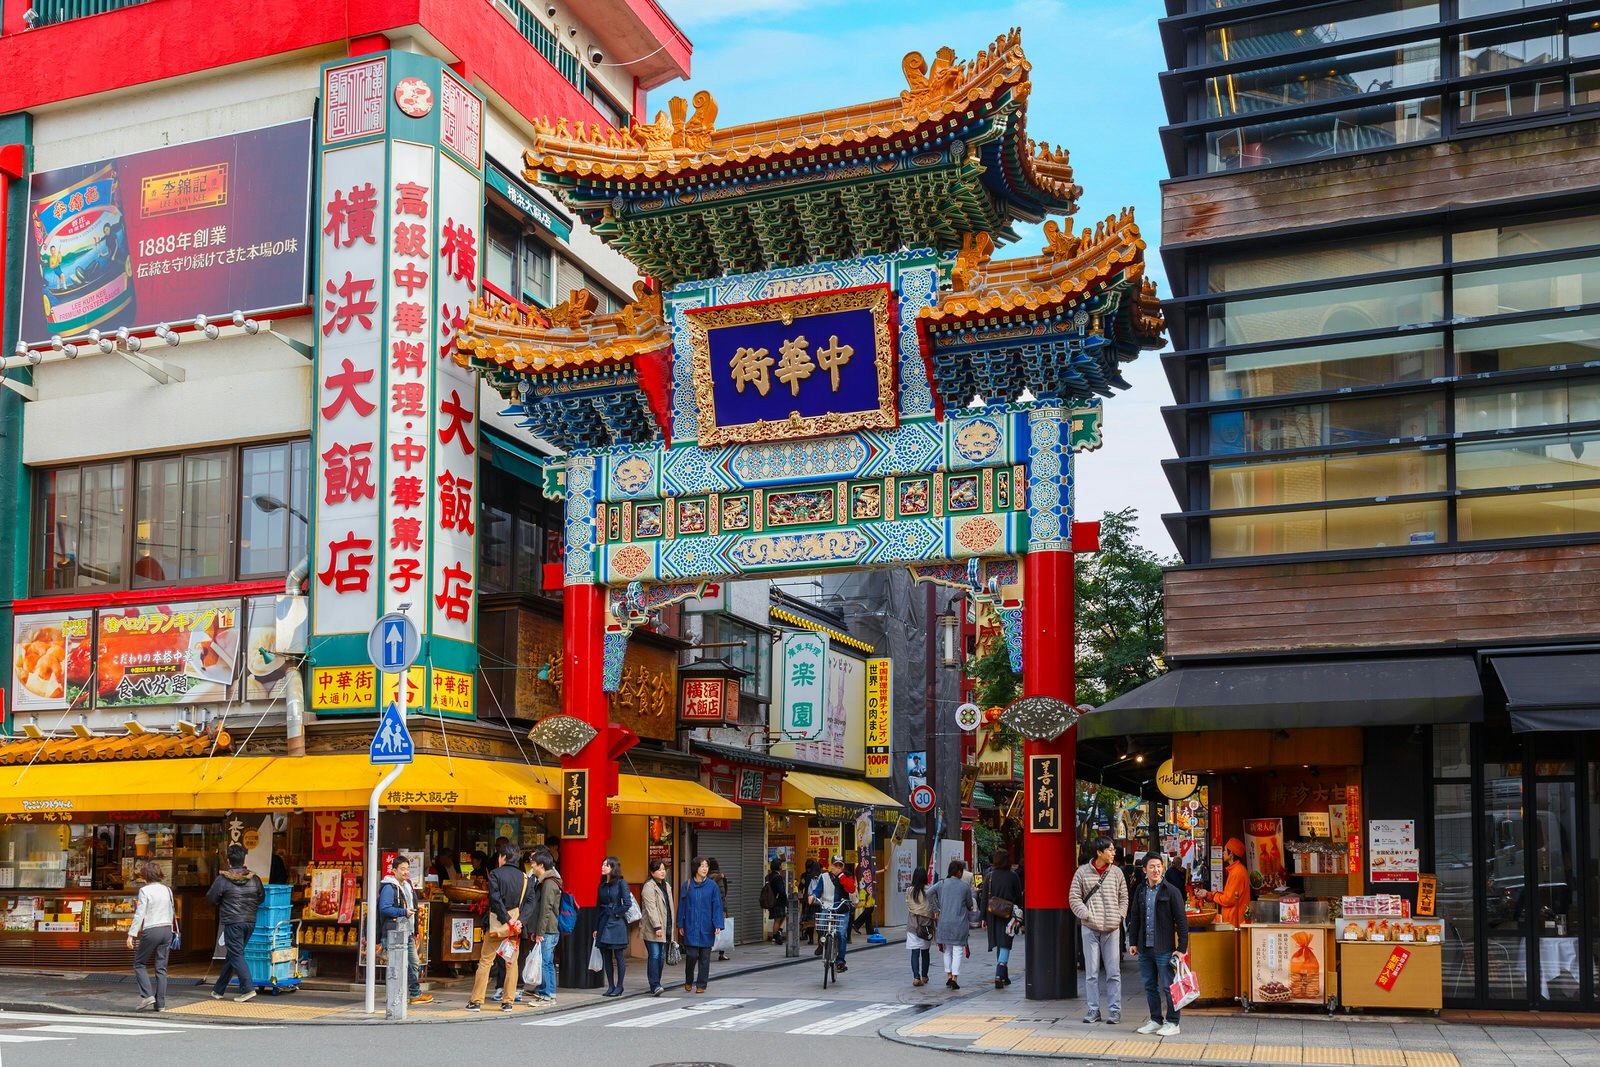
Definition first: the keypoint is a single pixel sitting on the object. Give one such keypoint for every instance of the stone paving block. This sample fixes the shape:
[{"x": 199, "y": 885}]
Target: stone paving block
[{"x": 1416, "y": 1058}]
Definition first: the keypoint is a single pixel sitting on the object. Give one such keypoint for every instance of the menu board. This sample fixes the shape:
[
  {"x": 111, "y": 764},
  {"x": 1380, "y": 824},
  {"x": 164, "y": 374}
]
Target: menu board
[
  {"x": 52, "y": 661},
  {"x": 1315, "y": 824},
  {"x": 1392, "y": 850},
  {"x": 167, "y": 654}
]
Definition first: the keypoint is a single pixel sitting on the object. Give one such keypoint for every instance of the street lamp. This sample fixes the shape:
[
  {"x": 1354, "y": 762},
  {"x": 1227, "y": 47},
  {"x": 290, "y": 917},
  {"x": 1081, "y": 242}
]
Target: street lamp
[
  {"x": 267, "y": 503},
  {"x": 949, "y": 632}
]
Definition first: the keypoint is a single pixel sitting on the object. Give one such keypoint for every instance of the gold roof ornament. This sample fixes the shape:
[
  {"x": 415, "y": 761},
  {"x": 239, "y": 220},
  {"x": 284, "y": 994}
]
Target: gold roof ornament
[{"x": 520, "y": 340}]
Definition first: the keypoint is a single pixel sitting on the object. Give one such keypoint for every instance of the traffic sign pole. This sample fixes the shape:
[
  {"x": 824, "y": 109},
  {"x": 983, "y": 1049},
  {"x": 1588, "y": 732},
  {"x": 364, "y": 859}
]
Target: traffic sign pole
[
  {"x": 372, "y": 885},
  {"x": 393, "y": 648}
]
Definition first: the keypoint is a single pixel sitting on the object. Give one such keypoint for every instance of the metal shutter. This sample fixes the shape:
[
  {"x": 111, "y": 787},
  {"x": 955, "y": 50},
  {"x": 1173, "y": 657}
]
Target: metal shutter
[
  {"x": 569, "y": 276},
  {"x": 742, "y": 853}
]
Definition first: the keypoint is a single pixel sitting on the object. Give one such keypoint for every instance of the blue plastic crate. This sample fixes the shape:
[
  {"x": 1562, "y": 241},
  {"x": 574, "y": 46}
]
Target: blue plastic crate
[
  {"x": 264, "y": 972},
  {"x": 277, "y": 895}
]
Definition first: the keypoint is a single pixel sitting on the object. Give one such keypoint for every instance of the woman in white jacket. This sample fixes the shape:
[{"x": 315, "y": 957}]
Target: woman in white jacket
[{"x": 150, "y": 934}]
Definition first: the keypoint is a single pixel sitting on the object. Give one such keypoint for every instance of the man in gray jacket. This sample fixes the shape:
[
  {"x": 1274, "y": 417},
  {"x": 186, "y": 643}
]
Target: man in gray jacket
[{"x": 1099, "y": 898}]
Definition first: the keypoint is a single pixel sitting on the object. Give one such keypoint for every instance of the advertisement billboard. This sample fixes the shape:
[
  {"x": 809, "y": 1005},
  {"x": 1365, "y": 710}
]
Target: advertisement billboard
[{"x": 209, "y": 227}]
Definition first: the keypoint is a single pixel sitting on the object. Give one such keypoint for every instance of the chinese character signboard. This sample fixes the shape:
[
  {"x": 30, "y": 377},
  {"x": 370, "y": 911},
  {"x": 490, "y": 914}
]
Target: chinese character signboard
[
  {"x": 703, "y": 700},
  {"x": 210, "y": 227},
  {"x": 1045, "y": 805},
  {"x": 397, "y": 419},
  {"x": 798, "y": 366},
  {"x": 805, "y": 662},
  {"x": 575, "y": 803},
  {"x": 880, "y": 708}
]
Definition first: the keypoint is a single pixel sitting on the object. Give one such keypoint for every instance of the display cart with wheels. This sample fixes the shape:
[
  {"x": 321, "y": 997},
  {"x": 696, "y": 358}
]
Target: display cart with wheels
[
  {"x": 1289, "y": 964},
  {"x": 273, "y": 958}
]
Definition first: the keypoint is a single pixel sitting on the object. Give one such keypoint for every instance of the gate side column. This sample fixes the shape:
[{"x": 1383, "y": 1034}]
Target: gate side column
[{"x": 1048, "y": 662}]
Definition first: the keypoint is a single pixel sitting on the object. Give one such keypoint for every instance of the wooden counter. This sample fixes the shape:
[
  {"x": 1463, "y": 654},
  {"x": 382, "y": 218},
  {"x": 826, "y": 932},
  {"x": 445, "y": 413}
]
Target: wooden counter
[
  {"x": 1418, "y": 986},
  {"x": 1214, "y": 958}
]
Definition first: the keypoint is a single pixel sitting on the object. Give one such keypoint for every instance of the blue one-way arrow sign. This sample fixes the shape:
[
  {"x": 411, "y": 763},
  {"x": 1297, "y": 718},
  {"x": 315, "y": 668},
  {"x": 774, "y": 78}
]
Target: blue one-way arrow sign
[
  {"x": 394, "y": 643},
  {"x": 391, "y": 743}
]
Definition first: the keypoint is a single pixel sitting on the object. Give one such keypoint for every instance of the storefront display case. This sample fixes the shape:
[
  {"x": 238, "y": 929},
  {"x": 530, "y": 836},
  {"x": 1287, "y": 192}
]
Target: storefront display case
[{"x": 1289, "y": 963}]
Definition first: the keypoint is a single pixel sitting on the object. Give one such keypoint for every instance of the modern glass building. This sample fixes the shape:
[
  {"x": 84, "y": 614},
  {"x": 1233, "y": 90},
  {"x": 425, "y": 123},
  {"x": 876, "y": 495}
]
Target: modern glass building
[{"x": 1383, "y": 238}]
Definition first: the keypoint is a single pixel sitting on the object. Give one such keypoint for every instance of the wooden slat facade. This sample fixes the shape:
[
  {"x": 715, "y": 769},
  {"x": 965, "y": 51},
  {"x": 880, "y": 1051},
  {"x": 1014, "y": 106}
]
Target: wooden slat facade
[
  {"x": 1546, "y": 161},
  {"x": 1456, "y": 599}
]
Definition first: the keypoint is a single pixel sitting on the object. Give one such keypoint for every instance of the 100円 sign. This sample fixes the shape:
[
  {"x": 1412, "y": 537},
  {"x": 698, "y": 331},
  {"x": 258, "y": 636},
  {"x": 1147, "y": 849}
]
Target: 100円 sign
[{"x": 1044, "y": 794}]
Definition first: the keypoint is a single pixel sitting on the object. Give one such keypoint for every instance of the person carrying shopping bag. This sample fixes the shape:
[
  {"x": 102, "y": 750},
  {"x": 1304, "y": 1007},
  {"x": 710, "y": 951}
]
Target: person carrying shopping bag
[
  {"x": 1003, "y": 891},
  {"x": 1158, "y": 932},
  {"x": 919, "y": 925},
  {"x": 612, "y": 900},
  {"x": 655, "y": 901},
  {"x": 699, "y": 919}
]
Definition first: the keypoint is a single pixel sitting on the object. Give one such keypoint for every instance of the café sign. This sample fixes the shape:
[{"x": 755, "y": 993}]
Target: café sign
[{"x": 1176, "y": 785}]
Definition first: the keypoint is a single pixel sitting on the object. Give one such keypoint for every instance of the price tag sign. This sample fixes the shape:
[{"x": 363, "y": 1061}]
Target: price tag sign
[{"x": 1427, "y": 890}]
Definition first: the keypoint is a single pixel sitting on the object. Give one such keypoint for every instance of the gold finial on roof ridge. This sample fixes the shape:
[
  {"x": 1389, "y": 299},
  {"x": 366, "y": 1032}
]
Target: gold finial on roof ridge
[
  {"x": 975, "y": 252},
  {"x": 571, "y": 313}
]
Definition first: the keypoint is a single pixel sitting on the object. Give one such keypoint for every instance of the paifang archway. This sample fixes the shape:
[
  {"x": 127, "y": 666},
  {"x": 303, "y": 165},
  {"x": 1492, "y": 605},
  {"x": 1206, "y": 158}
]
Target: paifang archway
[{"x": 794, "y": 392}]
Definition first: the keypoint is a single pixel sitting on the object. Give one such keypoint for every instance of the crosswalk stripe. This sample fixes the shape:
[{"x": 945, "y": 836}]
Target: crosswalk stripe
[
  {"x": 680, "y": 1014},
  {"x": 120, "y": 1031},
  {"x": 105, "y": 1020},
  {"x": 746, "y": 1020},
  {"x": 17, "y": 1039},
  {"x": 584, "y": 1015},
  {"x": 859, "y": 1017}
]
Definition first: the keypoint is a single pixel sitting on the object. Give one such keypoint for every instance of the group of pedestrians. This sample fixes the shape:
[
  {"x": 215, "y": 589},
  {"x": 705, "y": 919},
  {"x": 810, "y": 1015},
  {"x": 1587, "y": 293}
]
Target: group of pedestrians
[
  {"x": 1155, "y": 917},
  {"x": 941, "y": 916},
  {"x": 524, "y": 911}
]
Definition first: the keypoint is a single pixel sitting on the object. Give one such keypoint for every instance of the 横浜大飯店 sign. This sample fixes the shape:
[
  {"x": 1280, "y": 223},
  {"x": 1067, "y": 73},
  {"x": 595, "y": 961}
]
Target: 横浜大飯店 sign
[{"x": 799, "y": 366}]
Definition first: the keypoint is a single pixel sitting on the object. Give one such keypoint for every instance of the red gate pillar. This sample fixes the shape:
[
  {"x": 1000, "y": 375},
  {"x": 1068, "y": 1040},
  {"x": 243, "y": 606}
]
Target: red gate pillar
[
  {"x": 583, "y": 697},
  {"x": 1048, "y": 660}
]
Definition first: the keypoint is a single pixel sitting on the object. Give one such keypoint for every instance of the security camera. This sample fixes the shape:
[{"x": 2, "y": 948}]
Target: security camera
[
  {"x": 550, "y": 10},
  {"x": 597, "y": 57},
  {"x": 572, "y": 31}
]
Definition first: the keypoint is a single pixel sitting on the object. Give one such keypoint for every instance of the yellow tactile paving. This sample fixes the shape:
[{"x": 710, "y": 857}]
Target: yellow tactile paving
[
  {"x": 1086, "y": 1046},
  {"x": 1330, "y": 1055},
  {"x": 255, "y": 1009},
  {"x": 1177, "y": 1050},
  {"x": 1003, "y": 1038},
  {"x": 1276, "y": 1054},
  {"x": 1379, "y": 1057},
  {"x": 1225, "y": 1052},
  {"x": 960, "y": 1025},
  {"x": 1042, "y": 1044},
  {"x": 1431, "y": 1059}
]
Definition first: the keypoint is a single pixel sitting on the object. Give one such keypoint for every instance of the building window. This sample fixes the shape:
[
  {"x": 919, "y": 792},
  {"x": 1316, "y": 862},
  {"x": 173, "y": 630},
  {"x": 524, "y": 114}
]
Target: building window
[
  {"x": 518, "y": 533},
  {"x": 185, "y": 510},
  {"x": 752, "y": 651},
  {"x": 1325, "y": 312},
  {"x": 535, "y": 273},
  {"x": 614, "y": 113},
  {"x": 1323, "y": 368}
]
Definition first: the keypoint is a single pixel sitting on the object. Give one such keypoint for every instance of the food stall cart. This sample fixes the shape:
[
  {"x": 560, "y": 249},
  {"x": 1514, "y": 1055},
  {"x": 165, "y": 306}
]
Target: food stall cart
[
  {"x": 1289, "y": 957},
  {"x": 1388, "y": 961}
]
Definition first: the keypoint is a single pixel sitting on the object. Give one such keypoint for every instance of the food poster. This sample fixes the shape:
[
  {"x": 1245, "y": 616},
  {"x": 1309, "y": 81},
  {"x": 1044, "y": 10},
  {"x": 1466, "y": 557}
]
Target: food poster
[
  {"x": 185, "y": 653},
  {"x": 323, "y": 902},
  {"x": 266, "y": 671},
  {"x": 1392, "y": 850},
  {"x": 52, "y": 661},
  {"x": 660, "y": 839},
  {"x": 460, "y": 944},
  {"x": 1263, "y": 854},
  {"x": 824, "y": 842},
  {"x": 1287, "y": 966}
]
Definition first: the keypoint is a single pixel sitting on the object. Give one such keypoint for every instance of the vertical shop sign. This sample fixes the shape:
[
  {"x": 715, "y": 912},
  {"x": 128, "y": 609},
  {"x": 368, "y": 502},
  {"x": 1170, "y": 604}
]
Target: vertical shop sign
[
  {"x": 575, "y": 803},
  {"x": 400, "y": 223},
  {"x": 880, "y": 706},
  {"x": 1352, "y": 818},
  {"x": 1427, "y": 894},
  {"x": 1044, "y": 794},
  {"x": 805, "y": 664}
]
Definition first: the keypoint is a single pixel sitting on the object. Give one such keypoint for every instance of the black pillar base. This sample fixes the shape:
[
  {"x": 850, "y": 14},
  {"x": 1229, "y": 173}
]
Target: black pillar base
[
  {"x": 572, "y": 953},
  {"x": 1052, "y": 956}
]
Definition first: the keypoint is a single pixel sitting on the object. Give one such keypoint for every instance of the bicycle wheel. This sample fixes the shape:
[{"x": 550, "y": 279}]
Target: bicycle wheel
[{"x": 827, "y": 958}]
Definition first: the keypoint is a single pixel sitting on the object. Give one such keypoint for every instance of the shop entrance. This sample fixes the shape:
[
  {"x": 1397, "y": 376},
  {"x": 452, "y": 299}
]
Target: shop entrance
[{"x": 1517, "y": 847}]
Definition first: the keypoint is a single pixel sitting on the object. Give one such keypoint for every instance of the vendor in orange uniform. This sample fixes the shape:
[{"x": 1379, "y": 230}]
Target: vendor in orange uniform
[{"x": 1233, "y": 899}]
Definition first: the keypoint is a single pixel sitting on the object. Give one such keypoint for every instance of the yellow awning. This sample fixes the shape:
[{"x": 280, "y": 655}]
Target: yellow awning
[
  {"x": 326, "y": 782},
  {"x": 801, "y": 792},
  {"x": 118, "y": 785},
  {"x": 639, "y": 794}
]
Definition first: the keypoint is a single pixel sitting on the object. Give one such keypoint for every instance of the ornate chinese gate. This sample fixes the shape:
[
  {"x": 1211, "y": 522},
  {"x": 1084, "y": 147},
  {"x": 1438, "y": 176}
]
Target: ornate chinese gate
[{"x": 796, "y": 390}]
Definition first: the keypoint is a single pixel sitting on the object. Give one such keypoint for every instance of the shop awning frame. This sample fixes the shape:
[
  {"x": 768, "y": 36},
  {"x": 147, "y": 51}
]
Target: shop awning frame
[
  {"x": 1550, "y": 691},
  {"x": 1391, "y": 691},
  {"x": 802, "y": 790},
  {"x": 639, "y": 794}
]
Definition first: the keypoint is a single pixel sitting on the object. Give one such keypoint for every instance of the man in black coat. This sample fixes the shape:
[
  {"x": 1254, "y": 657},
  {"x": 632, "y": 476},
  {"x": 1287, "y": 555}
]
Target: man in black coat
[
  {"x": 236, "y": 894},
  {"x": 1158, "y": 930}
]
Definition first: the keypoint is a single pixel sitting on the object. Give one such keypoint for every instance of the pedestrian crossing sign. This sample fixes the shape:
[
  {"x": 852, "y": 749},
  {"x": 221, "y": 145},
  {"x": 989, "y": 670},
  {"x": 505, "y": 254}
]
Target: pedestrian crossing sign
[{"x": 391, "y": 741}]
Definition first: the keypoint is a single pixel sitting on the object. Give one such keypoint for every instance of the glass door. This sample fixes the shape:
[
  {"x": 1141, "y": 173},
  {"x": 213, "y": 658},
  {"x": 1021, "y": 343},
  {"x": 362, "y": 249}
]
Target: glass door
[
  {"x": 1560, "y": 851},
  {"x": 1506, "y": 901}
]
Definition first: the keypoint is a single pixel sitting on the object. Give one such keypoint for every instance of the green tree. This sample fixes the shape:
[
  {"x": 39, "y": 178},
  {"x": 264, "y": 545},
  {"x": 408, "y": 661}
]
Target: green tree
[{"x": 1119, "y": 622}]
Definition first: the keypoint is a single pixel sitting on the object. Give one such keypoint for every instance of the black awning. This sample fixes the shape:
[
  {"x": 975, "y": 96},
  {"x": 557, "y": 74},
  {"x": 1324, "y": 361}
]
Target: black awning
[
  {"x": 1304, "y": 694},
  {"x": 1551, "y": 691}
]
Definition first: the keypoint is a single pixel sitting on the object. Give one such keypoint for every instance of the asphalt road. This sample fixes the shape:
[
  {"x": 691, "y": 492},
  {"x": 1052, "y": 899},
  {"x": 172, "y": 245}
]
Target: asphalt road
[{"x": 768, "y": 1019}]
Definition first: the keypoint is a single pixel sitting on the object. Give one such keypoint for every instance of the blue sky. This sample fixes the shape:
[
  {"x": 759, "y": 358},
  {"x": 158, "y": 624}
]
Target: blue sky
[{"x": 1095, "y": 65}]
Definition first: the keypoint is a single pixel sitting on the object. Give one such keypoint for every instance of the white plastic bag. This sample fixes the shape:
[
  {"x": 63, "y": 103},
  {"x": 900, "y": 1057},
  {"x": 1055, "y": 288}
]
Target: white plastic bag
[
  {"x": 724, "y": 941},
  {"x": 533, "y": 969},
  {"x": 508, "y": 950},
  {"x": 595, "y": 963}
]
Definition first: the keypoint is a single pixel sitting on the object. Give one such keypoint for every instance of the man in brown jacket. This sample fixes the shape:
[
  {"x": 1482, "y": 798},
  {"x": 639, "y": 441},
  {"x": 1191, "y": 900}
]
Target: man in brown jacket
[
  {"x": 1099, "y": 898},
  {"x": 545, "y": 924}
]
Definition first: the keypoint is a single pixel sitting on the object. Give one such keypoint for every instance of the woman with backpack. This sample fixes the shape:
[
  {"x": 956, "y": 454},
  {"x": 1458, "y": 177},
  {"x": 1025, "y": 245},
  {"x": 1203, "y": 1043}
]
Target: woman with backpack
[
  {"x": 699, "y": 918},
  {"x": 775, "y": 899},
  {"x": 612, "y": 902},
  {"x": 919, "y": 925}
]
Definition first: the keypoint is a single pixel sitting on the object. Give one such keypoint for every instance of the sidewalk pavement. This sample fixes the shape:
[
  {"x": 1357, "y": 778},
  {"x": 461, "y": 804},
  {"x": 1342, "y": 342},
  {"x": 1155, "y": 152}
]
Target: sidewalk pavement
[
  {"x": 189, "y": 987},
  {"x": 1003, "y": 1022}
]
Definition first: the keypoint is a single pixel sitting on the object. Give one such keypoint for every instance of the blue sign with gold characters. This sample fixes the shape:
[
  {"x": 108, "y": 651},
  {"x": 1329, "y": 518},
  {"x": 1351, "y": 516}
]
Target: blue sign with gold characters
[{"x": 799, "y": 366}]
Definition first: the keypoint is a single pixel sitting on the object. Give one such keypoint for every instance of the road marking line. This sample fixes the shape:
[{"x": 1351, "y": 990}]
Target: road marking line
[
  {"x": 850, "y": 1019},
  {"x": 674, "y": 1015},
  {"x": 19, "y": 1038},
  {"x": 585, "y": 1014},
  {"x": 748, "y": 1019},
  {"x": 120, "y": 1031},
  {"x": 110, "y": 1020}
]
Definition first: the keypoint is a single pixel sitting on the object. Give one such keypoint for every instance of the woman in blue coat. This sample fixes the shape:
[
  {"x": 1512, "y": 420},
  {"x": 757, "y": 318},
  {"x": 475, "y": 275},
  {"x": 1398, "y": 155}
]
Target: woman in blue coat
[
  {"x": 699, "y": 919},
  {"x": 611, "y": 923}
]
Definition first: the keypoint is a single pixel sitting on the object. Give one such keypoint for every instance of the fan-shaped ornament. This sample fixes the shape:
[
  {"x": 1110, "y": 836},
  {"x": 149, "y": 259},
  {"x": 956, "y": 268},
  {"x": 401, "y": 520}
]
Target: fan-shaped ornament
[
  {"x": 563, "y": 735},
  {"x": 1040, "y": 718}
]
